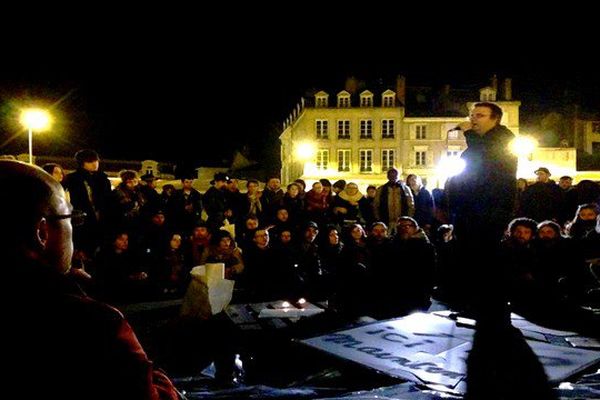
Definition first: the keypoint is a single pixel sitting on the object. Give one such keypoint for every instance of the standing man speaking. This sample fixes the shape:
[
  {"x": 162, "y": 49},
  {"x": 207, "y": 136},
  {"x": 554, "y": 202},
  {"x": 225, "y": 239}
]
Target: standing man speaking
[{"x": 482, "y": 199}]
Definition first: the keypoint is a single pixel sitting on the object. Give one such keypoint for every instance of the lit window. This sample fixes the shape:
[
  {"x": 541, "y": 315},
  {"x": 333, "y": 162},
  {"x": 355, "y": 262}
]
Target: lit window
[
  {"x": 366, "y": 160},
  {"x": 366, "y": 129},
  {"x": 387, "y": 159},
  {"x": 388, "y": 101},
  {"x": 322, "y": 159},
  {"x": 322, "y": 128},
  {"x": 343, "y": 129},
  {"x": 387, "y": 128},
  {"x": 344, "y": 160}
]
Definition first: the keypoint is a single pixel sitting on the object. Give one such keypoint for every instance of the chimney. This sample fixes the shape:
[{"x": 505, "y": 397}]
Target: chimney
[
  {"x": 401, "y": 89},
  {"x": 507, "y": 89},
  {"x": 351, "y": 85},
  {"x": 494, "y": 82}
]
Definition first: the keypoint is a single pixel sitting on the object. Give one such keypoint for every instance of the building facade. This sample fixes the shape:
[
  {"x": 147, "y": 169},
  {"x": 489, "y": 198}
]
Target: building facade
[
  {"x": 358, "y": 135},
  {"x": 587, "y": 136}
]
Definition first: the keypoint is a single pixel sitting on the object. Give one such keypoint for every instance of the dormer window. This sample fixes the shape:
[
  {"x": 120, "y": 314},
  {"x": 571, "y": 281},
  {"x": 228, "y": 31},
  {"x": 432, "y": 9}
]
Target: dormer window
[
  {"x": 321, "y": 99},
  {"x": 487, "y": 94},
  {"x": 343, "y": 99},
  {"x": 366, "y": 99},
  {"x": 388, "y": 99}
]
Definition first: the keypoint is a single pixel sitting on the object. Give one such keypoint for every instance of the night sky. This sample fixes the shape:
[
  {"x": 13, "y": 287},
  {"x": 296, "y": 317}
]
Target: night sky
[{"x": 193, "y": 94}]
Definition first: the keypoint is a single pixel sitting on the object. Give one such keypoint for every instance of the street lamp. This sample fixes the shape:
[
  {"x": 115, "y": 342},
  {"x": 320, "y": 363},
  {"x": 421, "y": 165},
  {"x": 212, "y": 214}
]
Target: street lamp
[
  {"x": 306, "y": 151},
  {"x": 523, "y": 147},
  {"x": 34, "y": 119}
]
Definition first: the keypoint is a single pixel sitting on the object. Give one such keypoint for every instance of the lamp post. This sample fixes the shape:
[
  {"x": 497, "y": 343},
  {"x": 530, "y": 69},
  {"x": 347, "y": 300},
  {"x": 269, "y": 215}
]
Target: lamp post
[{"x": 34, "y": 119}]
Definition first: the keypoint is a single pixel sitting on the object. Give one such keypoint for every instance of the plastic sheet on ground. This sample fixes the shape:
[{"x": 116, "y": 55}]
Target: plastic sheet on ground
[{"x": 404, "y": 391}]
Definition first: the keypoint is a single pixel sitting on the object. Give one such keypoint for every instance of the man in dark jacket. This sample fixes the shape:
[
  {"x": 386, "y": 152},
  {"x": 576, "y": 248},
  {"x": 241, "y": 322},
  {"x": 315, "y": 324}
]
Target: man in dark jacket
[
  {"x": 69, "y": 345},
  {"x": 482, "y": 197},
  {"x": 89, "y": 191}
]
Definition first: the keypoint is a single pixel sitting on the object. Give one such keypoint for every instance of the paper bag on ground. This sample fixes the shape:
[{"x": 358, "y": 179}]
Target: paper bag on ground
[{"x": 208, "y": 293}]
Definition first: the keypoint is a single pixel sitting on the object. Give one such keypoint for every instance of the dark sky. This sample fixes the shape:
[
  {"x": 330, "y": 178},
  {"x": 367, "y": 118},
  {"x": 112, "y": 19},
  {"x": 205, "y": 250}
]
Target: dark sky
[{"x": 196, "y": 94}]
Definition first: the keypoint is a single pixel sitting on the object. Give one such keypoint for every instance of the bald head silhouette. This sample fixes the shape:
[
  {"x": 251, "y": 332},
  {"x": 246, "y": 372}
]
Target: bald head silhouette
[{"x": 35, "y": 214}]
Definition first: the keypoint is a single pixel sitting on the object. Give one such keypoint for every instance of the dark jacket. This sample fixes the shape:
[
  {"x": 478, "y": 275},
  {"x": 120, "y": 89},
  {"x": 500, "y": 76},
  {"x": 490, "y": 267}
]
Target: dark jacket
[
  {"x": 95, "y": 206},
  {"x": 482, "y": 197}
]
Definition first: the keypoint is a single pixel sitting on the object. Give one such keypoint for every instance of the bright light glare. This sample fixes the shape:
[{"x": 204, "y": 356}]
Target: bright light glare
[
  {"x": 306, "y": 151},
  {"x": 523, "y": 145},
  {"x": 301, "y": 300},
  {"x": 285, "y": 304},
  {"x": 35, "y": 119},
  {"x": 450, "y": 166}
]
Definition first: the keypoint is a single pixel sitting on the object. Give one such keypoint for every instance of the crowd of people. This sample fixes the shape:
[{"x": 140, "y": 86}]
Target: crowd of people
[{"x": 383, "y": 253}]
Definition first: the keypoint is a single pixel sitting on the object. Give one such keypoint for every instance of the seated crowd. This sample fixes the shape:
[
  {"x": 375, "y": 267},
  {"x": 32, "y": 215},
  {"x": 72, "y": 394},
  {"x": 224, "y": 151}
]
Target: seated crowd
[{"x": 382, "y": 254}]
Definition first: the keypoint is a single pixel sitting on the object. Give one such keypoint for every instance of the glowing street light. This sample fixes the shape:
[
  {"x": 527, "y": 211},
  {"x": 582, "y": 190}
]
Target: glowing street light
[
  {"x": 306, "y": 151},
  {"x": 34, "y": 119},
  {"x": 522, "y": 146},
  {"x": 451, "y": 166}
]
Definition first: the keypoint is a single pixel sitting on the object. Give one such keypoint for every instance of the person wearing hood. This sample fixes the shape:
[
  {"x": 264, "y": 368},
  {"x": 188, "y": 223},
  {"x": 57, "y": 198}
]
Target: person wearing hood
[{"x": 346, "y": 205}]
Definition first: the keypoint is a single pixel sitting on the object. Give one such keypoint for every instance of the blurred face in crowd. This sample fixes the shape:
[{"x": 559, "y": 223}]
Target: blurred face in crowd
[
  {"x": 251, "y": 223},
  {"x": 187, "y": 184},
  {"x": 482, "y": 120},
  {"x": 392, "y": 175},
  {"x": 522, "y": 234},
  {"x": 200, "y": 232},
  {"x": 357, "y": 233},
  {"x": 283, "y": 215},
  {"x": 58, "y": 174},
  {"x": 293, "y": 191},
  {"x": 411, "y": 180},
  {"x": 547, "y": 233},
  {"x": 168, "y": 190},
  {"x": 406, "y": 229},
  {"x": 333, "y": 237},
  {"x": 521, "y": 184},
  {"x": 175, "y": 242},
  {"x": 225, "y": 243},
  {"x": 310, "y": 234},
  {"x": 274, "y": 184},
  {"x": 158, "y": 219},
  {"x": 121, "y": 242},
  {"x": 542, "y": 176},
  {"x": 131, "y": 183},
  {"x": 379, "y": 232},
  {"x": 91, "y": 166},
  {"x": 317, "y": 187},
  {"x": 261, "y": 238},
  {"x": 327, "y": 189},
  {"x": 448, "y": 236},
  {"x": 252, "y": 187},
  {"x": 587, "y": 214},
  {"x": 285, "y": 237},
  {"x": 351, "y": 189},
  {"x": 232, "y": 186},
  {"x": 565, "y": 183},
  {"x": 371, "y": 192}
]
